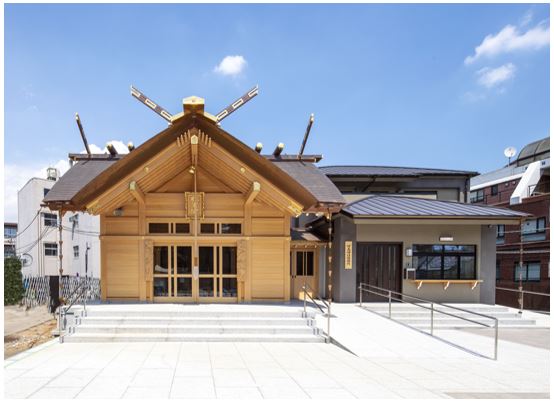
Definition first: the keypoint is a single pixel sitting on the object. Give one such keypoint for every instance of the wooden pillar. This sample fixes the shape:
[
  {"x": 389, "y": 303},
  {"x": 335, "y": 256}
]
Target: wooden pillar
[
  {"x": 103, "y": 260},
  {"x": 244, "y": 281},
  {"x": 60, "y": 251}
]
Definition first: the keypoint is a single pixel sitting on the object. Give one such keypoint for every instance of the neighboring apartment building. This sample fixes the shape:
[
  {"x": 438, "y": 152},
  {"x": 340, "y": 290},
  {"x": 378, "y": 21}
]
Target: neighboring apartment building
[
  {"x": 10, "y": 234},
  {"x": 38, "y": 243},
  {"x": 523, "y": 185},
  {"x": 411, "y": 230}
]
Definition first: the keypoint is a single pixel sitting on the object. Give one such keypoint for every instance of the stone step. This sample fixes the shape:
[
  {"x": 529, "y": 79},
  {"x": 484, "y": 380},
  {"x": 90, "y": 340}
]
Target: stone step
[
  {"x": 91, "y": 312},
  {"x": 463, "y": 323},
  {"x": 164, "y": 321},
  {"x": 192, "y": 329},
  {"x": 426, "y": 313},
  {"x": 411, "y": 308},
  {"x": 176, "y": 337}
]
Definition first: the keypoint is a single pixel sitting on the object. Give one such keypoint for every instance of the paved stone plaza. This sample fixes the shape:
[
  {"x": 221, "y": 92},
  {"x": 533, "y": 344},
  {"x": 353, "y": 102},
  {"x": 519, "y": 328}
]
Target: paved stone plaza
[{"x": 390, "y": 361}]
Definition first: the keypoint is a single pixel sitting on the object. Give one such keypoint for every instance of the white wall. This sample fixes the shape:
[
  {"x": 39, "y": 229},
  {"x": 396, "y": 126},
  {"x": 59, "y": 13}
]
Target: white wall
[{"x": 29, "y": 199}]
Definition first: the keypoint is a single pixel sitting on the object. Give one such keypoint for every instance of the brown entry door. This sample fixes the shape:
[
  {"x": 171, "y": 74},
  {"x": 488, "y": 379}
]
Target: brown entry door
[{"x": 379, "y": 264}]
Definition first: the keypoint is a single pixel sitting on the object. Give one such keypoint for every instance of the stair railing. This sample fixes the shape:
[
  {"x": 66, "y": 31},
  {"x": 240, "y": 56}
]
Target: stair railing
[
  {"x": 72, "y": 299},
  {"x": 307, "y": 290},
  {"x": 386, "y": 293},
  {"x": 521, "y": 293}
]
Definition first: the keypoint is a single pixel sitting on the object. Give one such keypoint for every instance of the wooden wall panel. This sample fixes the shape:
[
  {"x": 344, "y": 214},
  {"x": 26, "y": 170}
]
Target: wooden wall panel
[
  {"x": 267, "y": 226},
  {"x": 260, "y": 209},
  {"x": 122, "y": 268},
  {"x": 268, "y": 266},
  {"x": 224, "y": 205},
  {"x": 121, "y": 225},
  {"x": 165, "y": 204}
]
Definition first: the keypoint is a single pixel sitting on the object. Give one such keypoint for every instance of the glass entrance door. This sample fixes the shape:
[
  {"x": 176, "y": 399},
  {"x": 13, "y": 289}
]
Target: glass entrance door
[
  {"x": 175, "y": 278},
  {"x": 217, "y": 278},
  {"x": 173, "y": 273}
]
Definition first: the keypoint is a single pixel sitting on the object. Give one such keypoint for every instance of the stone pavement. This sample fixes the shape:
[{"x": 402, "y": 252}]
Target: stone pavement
[{"x": 392, "y": 361}]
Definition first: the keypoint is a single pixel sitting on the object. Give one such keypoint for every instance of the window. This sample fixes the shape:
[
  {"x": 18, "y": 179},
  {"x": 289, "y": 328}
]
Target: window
[
  {"x": 231, "y": 228},
  {"x": 50, "y": 249},
  {"x": 449, "y": 262},
  {"x": 500, "y": 233},
  {"x": 158, "y": 228},
  {"x": 9, "y": 251},
  {"x": 76, "y": 252},
  {"x": 494, "y": 190},
  {"x": 10, "y": 232},
  {"x": 207, "y": 228},
  {"x": 477, "y": 196},
  {"x": 305, "y": 263},
  {"x": 498, "y": 272},
  {"x": 182, "y": 228},
  {"x": 45, "y": 192},
  {"x": 50, "y": 220},
  {"x": 220, "y": 228},
  {"x": 531, "y": 271},
  {"x": 534, "y": 230}
]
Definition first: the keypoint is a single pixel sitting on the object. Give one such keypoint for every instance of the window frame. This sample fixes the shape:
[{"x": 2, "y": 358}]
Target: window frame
[
  {"x": 494, "y": 190},
  {"x": 443, "y": 253},
  {"x": 477, "y": 195},
  {"x": 50, "y": 246},
  {"x": 75, "y": 251},
  {"x": 525, "y": 279},
  {"x": 47, "y": 219}
]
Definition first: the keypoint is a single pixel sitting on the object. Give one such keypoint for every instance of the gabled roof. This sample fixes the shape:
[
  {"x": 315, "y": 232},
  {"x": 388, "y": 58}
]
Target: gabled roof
[
  {"x": 86, "y": 180},
  {"x": 309, "y": 176},
  {"x": 386, "y": 171},
  {"x": 383, "y": 206},
  {"x": 79, "y": 175}
]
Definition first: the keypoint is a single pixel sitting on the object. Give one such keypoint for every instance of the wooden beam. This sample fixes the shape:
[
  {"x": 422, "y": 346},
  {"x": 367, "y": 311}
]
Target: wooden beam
[
  {"x": 137, "y": 193},
  {"x": 194, "y": 150},
  {"x": 254, "y": 191}
]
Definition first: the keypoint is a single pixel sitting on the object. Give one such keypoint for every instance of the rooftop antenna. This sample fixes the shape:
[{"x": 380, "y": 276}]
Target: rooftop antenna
[
  {"x": 509, "y": 153},
  {"x": 310, "y": 123},
  {"x": 78, "y": 119},
  {"x": 151, "y": 104},
  {"x": 237, "y": 104}
]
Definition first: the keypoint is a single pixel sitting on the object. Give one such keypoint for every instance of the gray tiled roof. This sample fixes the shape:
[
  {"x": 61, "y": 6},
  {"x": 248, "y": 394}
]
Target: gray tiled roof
[
  {"x": 313, "y": 179},
  {"x": 297, "y": 234},
  {"x": 76, "y": 178},
  {"x": 367, "y": 170},
  {"x": 400, "y": 206}
]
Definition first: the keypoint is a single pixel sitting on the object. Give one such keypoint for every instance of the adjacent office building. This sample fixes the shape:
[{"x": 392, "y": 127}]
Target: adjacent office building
[
  {"x": 37, "y": 242},
  {"x": 522, "y": 185}
]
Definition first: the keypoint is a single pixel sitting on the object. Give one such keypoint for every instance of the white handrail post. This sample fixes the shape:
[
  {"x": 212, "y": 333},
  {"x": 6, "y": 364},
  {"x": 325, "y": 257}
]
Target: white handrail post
[
  {"x": 304, "y": 292},
  {"x": 496, "y": 339},
  {"x": 328, "y": 340},
  {"x": 390, "y": 302},
  {"x": 432, "y": 317}
]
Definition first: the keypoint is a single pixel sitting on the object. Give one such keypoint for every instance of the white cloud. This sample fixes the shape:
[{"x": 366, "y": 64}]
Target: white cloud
[
  {"x": 231, "y": 65},
  {"x": 489, "y": 77},
  {"x": 17, "y": 175},
  {"x": 510, "y": 39},
  {"x": 526, "y": 19}
]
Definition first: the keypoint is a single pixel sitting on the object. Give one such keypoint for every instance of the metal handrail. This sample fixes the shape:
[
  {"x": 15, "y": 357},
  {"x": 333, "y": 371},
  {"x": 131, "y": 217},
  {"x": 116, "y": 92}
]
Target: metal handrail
[
  {"x": 62, "y": 310},
  {"x": 389, "y": 294},
  {"x": 521, "y": 292},
  {"x": 305, "y": 288}
]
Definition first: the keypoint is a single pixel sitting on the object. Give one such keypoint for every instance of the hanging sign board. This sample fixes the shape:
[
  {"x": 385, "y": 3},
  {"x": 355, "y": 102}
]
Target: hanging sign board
[{"x": 348, "y": 255}]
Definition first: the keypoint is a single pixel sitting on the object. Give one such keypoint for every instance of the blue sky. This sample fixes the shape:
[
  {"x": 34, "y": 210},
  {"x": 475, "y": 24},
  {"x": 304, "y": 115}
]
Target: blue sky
[{"x": 389, "y": 84}]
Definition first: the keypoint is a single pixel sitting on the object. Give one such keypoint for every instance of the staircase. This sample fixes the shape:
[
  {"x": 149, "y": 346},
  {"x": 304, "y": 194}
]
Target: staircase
[
  {"x": 420, "y": 317},
  {"x": 177, "y": 323}
]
